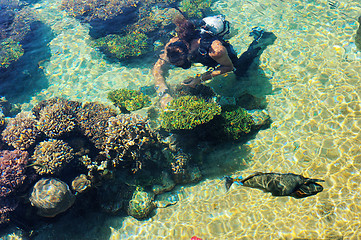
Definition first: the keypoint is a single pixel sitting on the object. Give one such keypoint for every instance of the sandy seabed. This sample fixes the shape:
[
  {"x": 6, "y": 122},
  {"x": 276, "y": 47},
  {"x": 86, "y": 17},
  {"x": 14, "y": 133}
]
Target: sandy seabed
[{"x": 314, "y": 100}]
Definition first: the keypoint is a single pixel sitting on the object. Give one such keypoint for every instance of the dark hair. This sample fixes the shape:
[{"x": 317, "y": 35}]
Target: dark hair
[
  {"x": 177, "y": 51},
  {"x": 186, "y": 29}
]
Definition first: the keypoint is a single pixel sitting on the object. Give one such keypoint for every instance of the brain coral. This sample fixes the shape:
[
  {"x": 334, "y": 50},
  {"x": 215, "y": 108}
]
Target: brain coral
[
  {"x": 92, "y": 119},
  {"x": 51, "y": 197},
  {"x": 127, "y": 135},
  {"x": 56, "y": 119},
  {"x": 51, "y": 156},
  {"x": 21, "y": 131}
]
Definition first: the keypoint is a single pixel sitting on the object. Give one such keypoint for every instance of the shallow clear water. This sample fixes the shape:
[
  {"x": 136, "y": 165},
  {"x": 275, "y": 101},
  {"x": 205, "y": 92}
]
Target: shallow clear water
[{"x": 310, "y": 78}]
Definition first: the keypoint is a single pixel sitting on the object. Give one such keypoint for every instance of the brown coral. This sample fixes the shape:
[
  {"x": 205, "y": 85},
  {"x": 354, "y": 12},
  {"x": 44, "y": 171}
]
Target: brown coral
[
  {"x": 127, "y": 135},
  {"x": 21, "y": 132},
  {"x": 56, "y": 119},
  {"x": 51, "y": 156},
  {"x": 66, "y": 104},
  {"x": 92, "y": 119}
]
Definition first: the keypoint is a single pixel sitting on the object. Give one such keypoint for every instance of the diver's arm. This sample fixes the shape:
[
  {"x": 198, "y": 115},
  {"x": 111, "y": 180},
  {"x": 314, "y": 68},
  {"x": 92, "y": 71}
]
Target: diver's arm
[{"x": 160, "y": 70}]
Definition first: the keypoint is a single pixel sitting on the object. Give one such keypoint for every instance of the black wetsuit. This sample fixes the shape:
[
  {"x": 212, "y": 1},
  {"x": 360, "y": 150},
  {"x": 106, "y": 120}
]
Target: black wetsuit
[{"x": 240, "y": 64}]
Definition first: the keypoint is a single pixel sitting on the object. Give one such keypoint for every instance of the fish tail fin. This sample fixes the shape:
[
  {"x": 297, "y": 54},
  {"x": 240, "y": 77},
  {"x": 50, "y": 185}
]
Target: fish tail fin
[{"x": 229, "y": 182}]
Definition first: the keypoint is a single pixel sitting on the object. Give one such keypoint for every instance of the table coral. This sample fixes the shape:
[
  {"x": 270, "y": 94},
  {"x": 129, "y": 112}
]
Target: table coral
[
  {"x": 92, "y": 119},
  {"x": 51, "y": 156},
  {"x": 51, "y": 197},
  {"x": 187, "y": 112},
  {"x": 127, "y": 135},
  {"x": 131, "y": 100},
  {"x": 21, "y": 132}
]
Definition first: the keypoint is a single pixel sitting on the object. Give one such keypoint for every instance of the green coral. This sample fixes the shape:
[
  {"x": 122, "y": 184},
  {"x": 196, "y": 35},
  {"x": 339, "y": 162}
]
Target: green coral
[
  {"x": 187, "y": 112},
  {"x": 236, "y": 121},
  {"x": 131, "y": 45},
  {"x": 131, "y": 100},
  {"x": 10, "y": 51},
  {"x": 195, "y": 8}
]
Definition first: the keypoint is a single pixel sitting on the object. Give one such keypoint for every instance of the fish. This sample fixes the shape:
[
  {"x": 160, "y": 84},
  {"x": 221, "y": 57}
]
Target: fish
[{"x": 279, "y": 184}]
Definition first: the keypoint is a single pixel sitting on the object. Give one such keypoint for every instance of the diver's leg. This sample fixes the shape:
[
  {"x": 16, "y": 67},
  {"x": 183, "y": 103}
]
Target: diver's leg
[{"x": 261, "y": 41}]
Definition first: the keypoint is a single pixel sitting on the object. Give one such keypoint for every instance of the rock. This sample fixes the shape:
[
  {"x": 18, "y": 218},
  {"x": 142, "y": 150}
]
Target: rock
[
  {"x": 358, "y": 35},
  {"x": 81, "y": 183},
  {"x": 51, "y": 197},
  {"x": 141, "y": 204},
  {"x": 260, "y": 117}
]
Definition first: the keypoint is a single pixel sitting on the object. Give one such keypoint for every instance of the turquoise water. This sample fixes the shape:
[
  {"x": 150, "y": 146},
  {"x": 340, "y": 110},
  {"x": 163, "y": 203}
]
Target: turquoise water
[{"x": 308, "y": 82}]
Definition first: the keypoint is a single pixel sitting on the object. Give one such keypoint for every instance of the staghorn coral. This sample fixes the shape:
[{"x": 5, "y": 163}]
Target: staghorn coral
[
  {"x": 92, "y": 119},
  {"x": 12, "y": 179},
  {"x": 236, "y": 122},
  {"x": 187, "y": 112},
  {"x": 21, "y": 131},
  {"x": 10, "y": 51},
  {"x": 51, "y": 156},
  {"x": 127, "y": 135},
  {"x": 131, "y": 100},
  {"x": 51, "y": 197},
  {"x": 131, "y": 45},
  {"x": 56, "y": 119},
  {"x": 97, "y": 9},
  {"x": 358, "y": 35},
  {"x": 67, "y": 104}
]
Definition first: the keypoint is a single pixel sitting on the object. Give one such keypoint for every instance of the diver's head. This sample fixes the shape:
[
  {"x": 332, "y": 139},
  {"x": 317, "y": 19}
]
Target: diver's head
[{"x": 177, "y": 54}]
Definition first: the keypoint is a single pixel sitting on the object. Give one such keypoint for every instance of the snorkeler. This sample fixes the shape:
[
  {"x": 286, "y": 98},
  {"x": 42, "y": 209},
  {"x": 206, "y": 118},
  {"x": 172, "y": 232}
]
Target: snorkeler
[
  {"x": 206, "y": 46},
  {"x": 278, "y": 184}
]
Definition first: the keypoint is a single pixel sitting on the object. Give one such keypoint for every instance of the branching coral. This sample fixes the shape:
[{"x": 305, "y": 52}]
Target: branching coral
[
  {"x": 10, "y": 51},
  {"x": 51, "y": 156},
  {"x": 7, "y": 205},
  {"x": 236, "y": 121},
  {"x": 56, "y": 119},
  {"x": 97, "y": 9},
  {"x": 131, "y": 45},
  {"x": 187, "y": 112},
  {"x": 92, "y": 119},
  {"x": 69, "y": 106},
  {"x": 131, "y": 100},
  {"x": 127, "y": 135},
  {"x": 195, "y": 8},
  {"x": 21, "y": 131}
]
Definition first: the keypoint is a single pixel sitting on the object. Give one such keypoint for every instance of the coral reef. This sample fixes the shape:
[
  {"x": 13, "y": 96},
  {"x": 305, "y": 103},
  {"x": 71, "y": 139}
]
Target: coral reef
[
  {"x": 127, "y": 135},
  {"x": 358, "y": 35},
  {"x": 21, "y": 132},
  {"x": 236, "y": 122},
  {"x": 56, "y": 119},
  {"x": 131, "y": 100},
  {"x": 51, "y": 156},
  {"x": 187, "y": 112},
  {"x": 10, "y": 51},
  {"x": 195, "y": 8},
  {"x": 12, "y": 179},
  {"x": 81, "y": 183},
  {"x": 92, "y": 119},
  {"x": 64, "y": 103},
  {"x": 8, "y": 109},
  {"x": 131, "y": 45},
  {"x": 141, "y": 204},
  {"x": 51, "y": 197},
  {"x": 97, "y": 9}
]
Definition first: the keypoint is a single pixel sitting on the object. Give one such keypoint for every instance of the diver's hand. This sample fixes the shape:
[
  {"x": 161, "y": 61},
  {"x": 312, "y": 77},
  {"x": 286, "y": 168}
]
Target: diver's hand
[
  {"x": 192, "y": 82},
  {"x": 164, "y": 100}
]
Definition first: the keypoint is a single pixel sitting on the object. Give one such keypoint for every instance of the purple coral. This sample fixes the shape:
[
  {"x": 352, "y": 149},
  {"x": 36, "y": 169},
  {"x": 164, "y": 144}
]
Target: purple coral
[
  {"x": 12, "y": 179},
  {"x": 21, "y": 131}
]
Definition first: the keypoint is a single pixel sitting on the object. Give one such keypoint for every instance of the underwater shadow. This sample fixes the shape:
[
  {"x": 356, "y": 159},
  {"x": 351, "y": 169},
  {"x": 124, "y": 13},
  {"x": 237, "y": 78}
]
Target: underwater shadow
[{"x": 25, "y": 77}]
